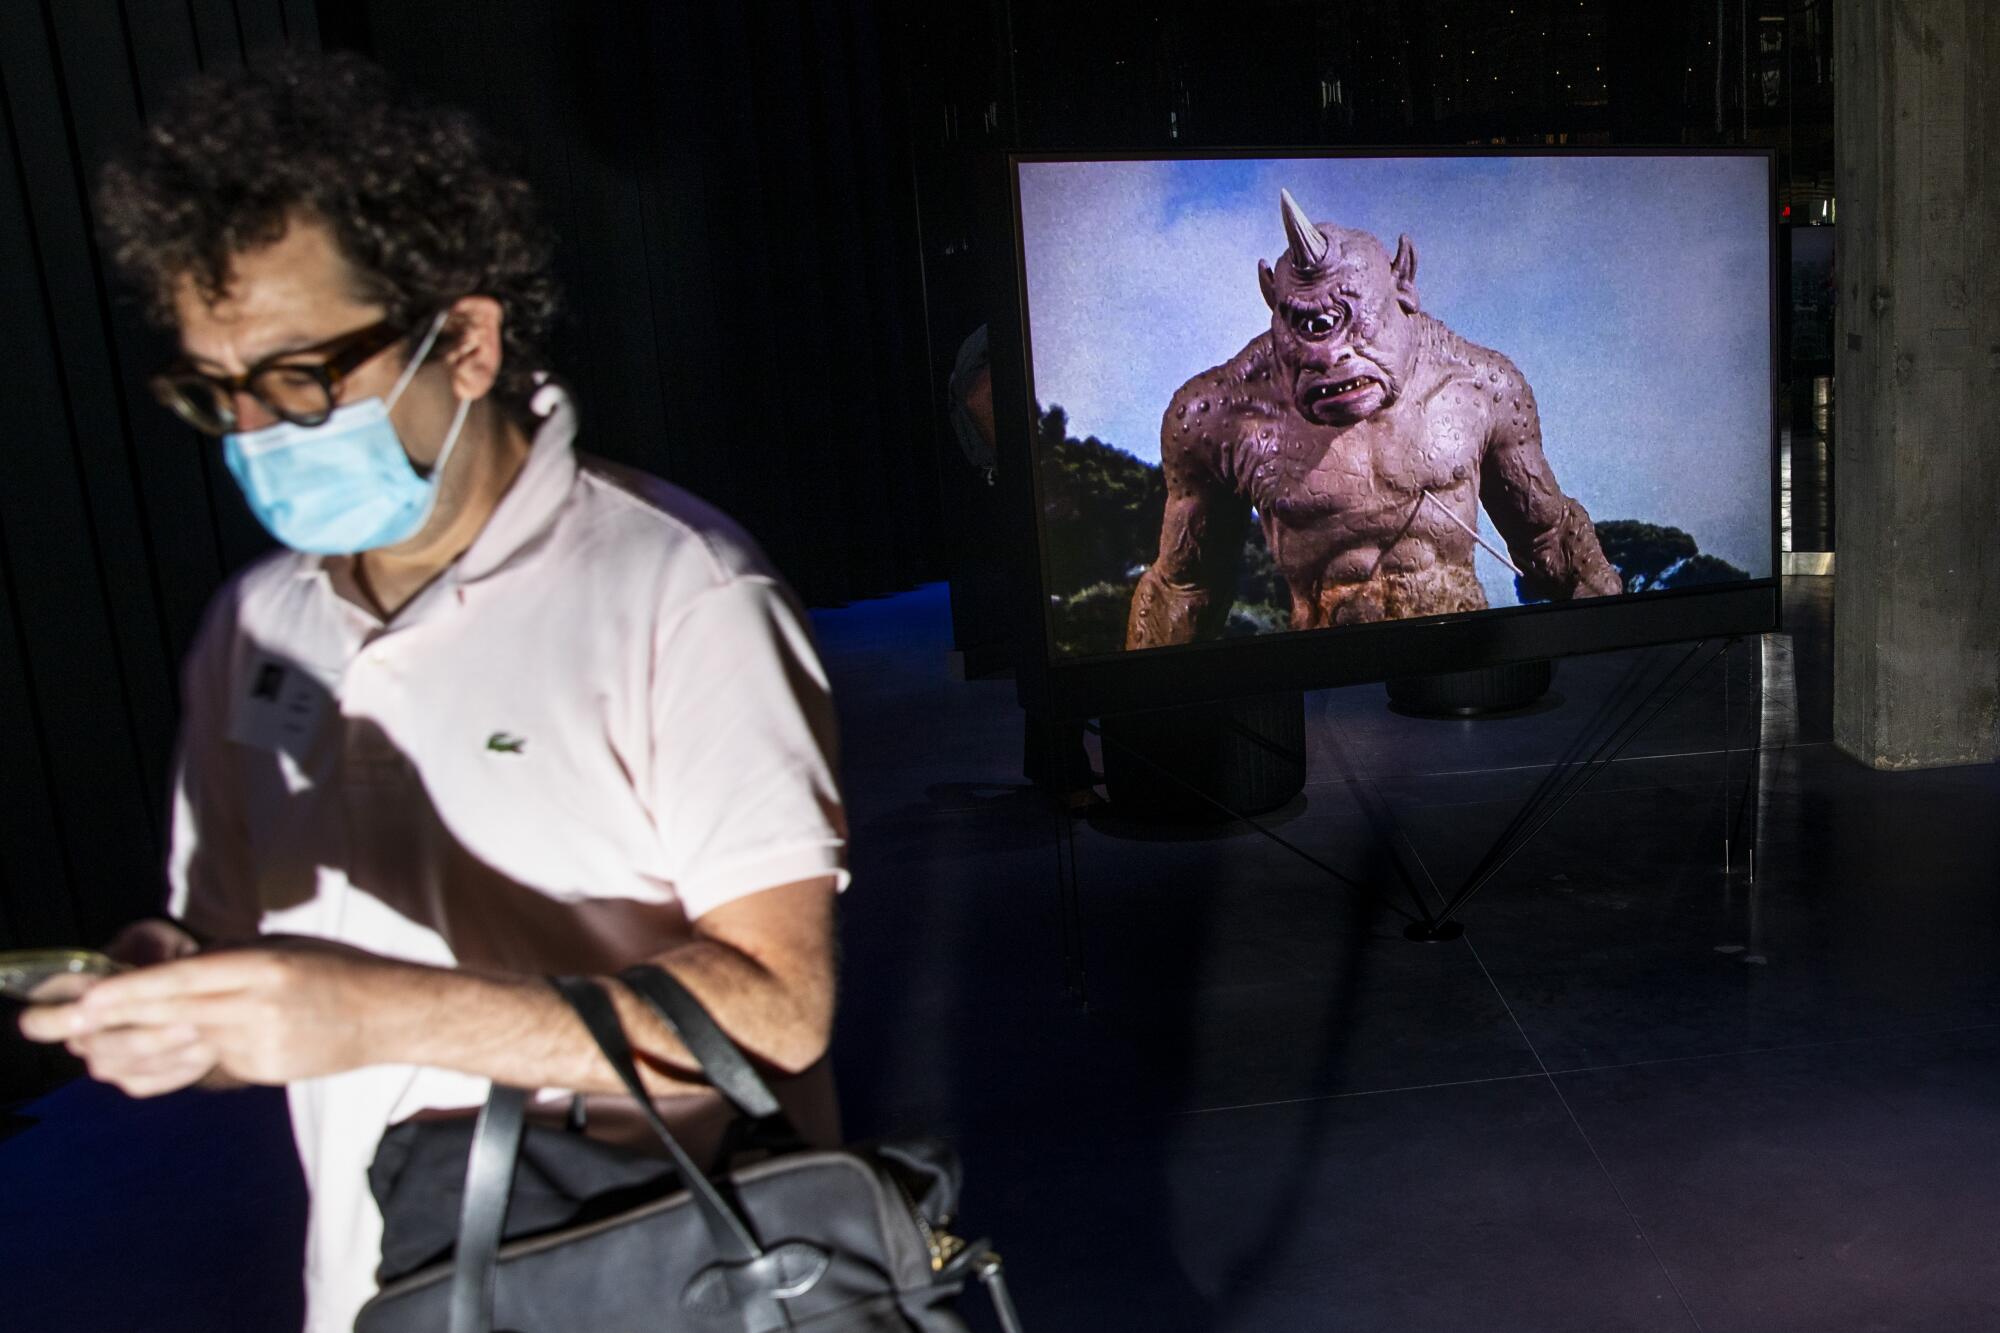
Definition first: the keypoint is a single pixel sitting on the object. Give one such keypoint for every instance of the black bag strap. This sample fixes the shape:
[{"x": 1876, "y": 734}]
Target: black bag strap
[
  {"x": 731, "y": 1236},
  {"x": 496, "y": 1149},
  {"x": 489, "y": 1178},
  {"x": 722, "y": 1061}
]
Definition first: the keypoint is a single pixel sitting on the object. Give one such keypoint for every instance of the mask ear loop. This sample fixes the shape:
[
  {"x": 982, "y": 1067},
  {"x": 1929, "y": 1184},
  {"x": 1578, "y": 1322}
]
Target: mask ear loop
[
  {"x": 450, "y": 443},
  {"x": 458, "y": 418},
  {"x": 417, "y": 361}
]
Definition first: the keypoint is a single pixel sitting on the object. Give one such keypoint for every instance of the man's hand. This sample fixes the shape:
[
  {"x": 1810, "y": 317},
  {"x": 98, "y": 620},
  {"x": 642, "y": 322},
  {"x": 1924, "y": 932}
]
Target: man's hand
[
  {"x": 286, "y": 1010},
  {"x": 154, "y": 940},
  {"x": 161, "y": 1060}
]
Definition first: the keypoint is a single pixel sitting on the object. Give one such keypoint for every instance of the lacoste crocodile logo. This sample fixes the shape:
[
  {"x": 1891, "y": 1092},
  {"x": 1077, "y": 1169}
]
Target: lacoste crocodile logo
[{"x": 502, "y": 743}]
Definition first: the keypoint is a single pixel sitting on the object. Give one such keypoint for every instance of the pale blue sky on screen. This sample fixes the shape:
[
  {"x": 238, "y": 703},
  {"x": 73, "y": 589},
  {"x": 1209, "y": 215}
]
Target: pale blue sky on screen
[{"x": 1632, "y": 292}]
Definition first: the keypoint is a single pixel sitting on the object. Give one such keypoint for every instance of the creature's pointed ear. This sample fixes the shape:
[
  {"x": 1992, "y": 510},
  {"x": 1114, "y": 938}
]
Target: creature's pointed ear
[
  {"x": 1267, "y": 282},
  {"x": 1404, "y": 266}
]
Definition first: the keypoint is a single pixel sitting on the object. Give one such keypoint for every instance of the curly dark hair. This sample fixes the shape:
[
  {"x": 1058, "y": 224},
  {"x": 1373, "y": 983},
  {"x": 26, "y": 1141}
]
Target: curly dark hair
[{"x": 415, "y": 195}]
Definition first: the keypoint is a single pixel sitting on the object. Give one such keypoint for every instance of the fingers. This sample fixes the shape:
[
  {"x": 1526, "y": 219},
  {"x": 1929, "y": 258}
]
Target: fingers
[
  {"x": 198, "y": 1009},
  {"x": 144, "y": 943},
  {"x": 130, "y": 1046},
  {"x": 163, "y": 1081},
  {"x": 174, "y": 992},
  {"x": 166, "y": 1069},
  {"x": 141, "y": 1061},
  {"x": 265, "y": 1015},
  {"x": 48, "y": 1023},
  {"x": 145, "y": 1062}
]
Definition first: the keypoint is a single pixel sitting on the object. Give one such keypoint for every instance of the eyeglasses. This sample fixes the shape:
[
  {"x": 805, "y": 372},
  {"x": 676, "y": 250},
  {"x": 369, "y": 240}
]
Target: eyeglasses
[{"x": 302, "y": 393}]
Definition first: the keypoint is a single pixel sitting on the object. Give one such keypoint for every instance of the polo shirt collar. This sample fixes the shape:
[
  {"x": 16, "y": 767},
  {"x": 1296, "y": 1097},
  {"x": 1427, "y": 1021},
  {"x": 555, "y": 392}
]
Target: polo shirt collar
[{"x": 528, "y": 510}]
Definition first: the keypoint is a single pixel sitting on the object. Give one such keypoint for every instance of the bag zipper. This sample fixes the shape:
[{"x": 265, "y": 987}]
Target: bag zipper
[
  {"x": 947, "y": 1249},
  {"x": 943, "y": 1246}
]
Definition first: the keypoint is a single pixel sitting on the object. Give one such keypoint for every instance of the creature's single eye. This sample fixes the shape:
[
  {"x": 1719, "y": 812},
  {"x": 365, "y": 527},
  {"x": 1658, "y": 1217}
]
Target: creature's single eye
[{"x": 1320, "y": 324}]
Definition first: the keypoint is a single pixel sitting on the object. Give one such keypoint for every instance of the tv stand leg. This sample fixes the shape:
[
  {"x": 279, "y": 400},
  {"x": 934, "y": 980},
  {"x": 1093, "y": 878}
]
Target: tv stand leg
[{"x": 1566, "y": 781}]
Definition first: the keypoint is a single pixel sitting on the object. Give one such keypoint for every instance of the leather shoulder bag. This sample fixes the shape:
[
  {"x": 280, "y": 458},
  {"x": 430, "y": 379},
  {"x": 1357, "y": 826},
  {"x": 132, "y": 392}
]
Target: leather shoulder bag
[{"x": 557, "y": 1232}]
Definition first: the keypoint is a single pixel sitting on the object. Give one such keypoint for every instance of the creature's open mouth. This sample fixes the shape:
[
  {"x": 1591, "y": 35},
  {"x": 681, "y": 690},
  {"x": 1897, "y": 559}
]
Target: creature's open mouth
[{"x": 1320, "y": 393}]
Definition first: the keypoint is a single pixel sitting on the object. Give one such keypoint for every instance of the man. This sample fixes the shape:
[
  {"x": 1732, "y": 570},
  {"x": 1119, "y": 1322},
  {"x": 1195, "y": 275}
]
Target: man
[
  {"x": 1366, "y": 435},
  {"x": 501, "y": 712}
]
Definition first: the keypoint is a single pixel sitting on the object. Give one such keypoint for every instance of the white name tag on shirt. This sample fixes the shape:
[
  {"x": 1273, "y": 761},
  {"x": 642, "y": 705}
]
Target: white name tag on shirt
[{"x": 280, "y": 706}]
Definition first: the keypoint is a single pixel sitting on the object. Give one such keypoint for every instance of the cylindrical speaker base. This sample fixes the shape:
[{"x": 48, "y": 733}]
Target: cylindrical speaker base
[
  {"x": 1245, "y": 755},
  {"x": 1496, "y": 689}
]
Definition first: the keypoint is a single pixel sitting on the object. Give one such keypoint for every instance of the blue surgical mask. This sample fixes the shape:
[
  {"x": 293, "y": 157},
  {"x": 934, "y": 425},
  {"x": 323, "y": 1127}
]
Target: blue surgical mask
[{"x": 345, "y": 485}]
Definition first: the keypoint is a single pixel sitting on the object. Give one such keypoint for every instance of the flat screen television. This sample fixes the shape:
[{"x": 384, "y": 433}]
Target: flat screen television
[{"x": 1289, "y": 419}]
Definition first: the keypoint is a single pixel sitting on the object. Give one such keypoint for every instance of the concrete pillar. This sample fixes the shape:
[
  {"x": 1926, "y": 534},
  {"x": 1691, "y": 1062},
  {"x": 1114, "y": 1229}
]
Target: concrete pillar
[{"x": 1917, "y": 362}]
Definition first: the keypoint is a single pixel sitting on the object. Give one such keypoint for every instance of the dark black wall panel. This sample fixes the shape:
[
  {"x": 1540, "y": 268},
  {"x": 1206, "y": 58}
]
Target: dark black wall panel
[
  {"x": 116, "y": 524},
  {"x": 731, "y": 191}
]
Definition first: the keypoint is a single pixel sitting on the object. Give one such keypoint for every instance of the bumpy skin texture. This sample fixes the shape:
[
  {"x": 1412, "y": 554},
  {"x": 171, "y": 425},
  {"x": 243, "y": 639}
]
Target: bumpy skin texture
[{"x": 1337, "y": 473}]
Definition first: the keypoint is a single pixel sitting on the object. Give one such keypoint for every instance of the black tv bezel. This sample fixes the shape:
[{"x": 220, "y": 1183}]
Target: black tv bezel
[{"x": 1109, "y": 684}]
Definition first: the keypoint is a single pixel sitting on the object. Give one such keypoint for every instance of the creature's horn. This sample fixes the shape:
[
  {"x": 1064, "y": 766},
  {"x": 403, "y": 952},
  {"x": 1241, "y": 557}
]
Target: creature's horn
[{"x": 1309, "y": 247}]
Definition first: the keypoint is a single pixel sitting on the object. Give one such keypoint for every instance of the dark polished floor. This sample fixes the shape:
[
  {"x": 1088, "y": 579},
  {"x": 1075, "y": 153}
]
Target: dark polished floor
[{"x": 1647, "y": 1090}]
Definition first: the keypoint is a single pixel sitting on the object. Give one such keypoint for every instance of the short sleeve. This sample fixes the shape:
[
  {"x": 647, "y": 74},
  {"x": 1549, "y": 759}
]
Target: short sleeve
[
  {"x": 211, "y": 886},
  {"x": 743, "y": 747}
]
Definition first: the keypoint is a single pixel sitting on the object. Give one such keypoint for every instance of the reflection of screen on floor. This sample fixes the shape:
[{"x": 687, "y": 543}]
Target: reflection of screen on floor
[
  {"x": 51, "y": 976},
  {"x": 1292, "y": 394}
]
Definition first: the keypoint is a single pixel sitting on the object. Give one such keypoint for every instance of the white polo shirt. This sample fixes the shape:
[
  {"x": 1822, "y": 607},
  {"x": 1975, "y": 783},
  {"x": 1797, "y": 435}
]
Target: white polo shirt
[{"x": 604, "y": 720}]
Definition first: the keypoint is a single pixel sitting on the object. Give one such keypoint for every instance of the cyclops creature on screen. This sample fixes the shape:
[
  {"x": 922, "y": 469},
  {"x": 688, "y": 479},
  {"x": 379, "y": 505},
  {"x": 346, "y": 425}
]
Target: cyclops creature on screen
[{"x": 1366, "y": 436}]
